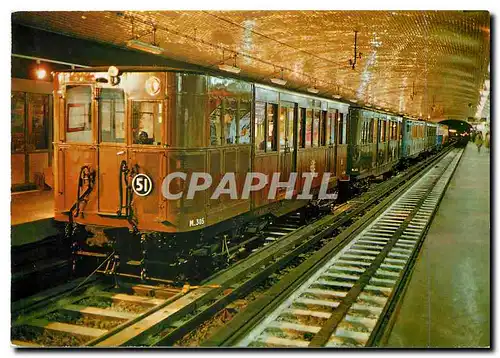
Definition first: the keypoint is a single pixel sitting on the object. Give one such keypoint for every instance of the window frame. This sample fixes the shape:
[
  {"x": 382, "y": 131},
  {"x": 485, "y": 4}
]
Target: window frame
[
  {"x": 256, "y": 145},
  {"x": 130, "y": 130},
  {"x": 125, "y": 118},
  {"x": 65, "y": 128},
  {"x": 274, "y": 135}
]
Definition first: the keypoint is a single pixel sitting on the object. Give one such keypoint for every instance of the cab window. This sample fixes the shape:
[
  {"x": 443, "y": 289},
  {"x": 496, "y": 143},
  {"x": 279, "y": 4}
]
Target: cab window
[
  {"x": 146, "y": 122},
  {"x": 78, "y": 109},
  {"x": 112, "y": 115}
]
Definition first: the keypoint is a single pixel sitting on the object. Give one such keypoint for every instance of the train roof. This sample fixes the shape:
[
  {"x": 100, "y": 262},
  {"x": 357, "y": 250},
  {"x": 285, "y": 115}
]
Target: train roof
[
  {"x": 134, "y": 69},
  {"x": 217, "y": 73}
]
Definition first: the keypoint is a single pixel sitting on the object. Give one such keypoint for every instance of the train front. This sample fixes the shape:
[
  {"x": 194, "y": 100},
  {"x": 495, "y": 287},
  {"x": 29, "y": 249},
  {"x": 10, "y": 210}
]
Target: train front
[{"x": 118, "y": 133}]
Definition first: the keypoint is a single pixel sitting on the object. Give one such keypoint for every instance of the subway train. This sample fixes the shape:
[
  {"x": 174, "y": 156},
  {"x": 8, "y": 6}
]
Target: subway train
[{"x": 120, "y": 133}]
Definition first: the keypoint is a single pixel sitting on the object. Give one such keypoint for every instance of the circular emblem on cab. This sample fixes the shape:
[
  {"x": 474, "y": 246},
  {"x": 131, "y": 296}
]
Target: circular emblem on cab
[
  {"x": 153, "y": 85},
  {"x": 142, "y": 185}
]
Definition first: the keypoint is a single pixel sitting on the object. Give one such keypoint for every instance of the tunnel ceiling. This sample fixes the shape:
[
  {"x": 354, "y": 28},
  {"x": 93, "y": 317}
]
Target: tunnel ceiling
[{"x": 428, "y": 63}]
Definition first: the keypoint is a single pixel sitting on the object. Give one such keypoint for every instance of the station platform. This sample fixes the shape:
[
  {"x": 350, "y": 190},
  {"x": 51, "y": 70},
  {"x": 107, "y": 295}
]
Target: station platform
[
  {"x": 32, "y": 215},
  {"x": 447, "y": 301}
]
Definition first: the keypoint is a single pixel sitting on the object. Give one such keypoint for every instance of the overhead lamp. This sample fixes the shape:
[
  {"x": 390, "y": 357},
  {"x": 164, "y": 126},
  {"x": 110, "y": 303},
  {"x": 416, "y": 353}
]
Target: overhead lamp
[
  {"x": 40, "y": 72},
  {"x": 144, "y": 46},
  {"x": 229, "y": 68},
  {"x": 279, "y": 81},
  {"x": 368, "y": 104},
  {"x": 313, "y": 90},
  {"x": 337, "y": 96},
  {"x": 378, "y": 107},
  {"x": 354, "y": 100}
]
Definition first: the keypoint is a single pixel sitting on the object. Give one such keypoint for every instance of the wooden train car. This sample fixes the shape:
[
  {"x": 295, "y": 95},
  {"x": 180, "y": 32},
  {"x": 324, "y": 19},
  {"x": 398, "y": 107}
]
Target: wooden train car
[
  {"x": 374, "y": 142},
  {"x": 112, "y": 125}
]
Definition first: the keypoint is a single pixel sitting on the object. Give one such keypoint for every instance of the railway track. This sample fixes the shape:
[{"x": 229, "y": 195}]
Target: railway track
[
  {"x": 87, "y": 316},
  {"x": 173, "y": 316},
  {"x": 344, "y": 302}
]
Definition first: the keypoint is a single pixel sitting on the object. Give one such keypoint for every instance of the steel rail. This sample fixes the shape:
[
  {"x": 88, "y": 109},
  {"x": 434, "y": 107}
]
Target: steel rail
[{"x": 352, "y": 289}]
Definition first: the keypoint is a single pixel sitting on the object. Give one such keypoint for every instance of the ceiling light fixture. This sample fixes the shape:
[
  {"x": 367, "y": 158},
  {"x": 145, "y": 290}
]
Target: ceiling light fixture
[
  {"x": 378, "y": 107},
  {"x": 368, "y": 104},
  {"x": 313, "y": 90},
  {"x": 337, "y": 96},
  {"x": 354, "y": 100},
  {"x": 137, "y": 44},
  {"x": 144, "y": 46},
  {"x": 279, "y": 80},
  {"x": 229, "y": 68}
]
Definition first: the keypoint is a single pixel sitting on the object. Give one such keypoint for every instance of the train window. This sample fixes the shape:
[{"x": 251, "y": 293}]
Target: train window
[
  {"x": 373, "y": 130},
  {"x": 324, "y": 128},
  {"x": 332, "y": 119},
  {"x": 146, "y": 122},
  {"x": 302, "y": 127},
  {"x": 112, "y": 115},
  {"x": 215, "y": 107},
  {"x": 245, "y": 107},
  {"x": 18, "y": 103},
  {"x": 78, "y": 119},
  {"x": 283, "y": 139},
  {"x": 260, "y": 126},
  {"x": 309, "y": 120},
  {"x": 286, "y": 127},
  {"x": 316, "y": 128},
  {"x": 272, "y": 113},
  {"x": 230, "y": 109},
  {"x": 382, "y": 124},
  {"x": 289, "y": 128},
  {"x": 361, "y": 123},
  {"x": 340, "y": 120}
]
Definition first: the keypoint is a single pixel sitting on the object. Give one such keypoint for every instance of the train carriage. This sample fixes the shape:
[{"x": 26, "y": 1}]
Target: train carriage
[
  {"x": 431, "y": 131},
  {"x": 374, "y": 142},
  {"x": 413, "y": 138}
]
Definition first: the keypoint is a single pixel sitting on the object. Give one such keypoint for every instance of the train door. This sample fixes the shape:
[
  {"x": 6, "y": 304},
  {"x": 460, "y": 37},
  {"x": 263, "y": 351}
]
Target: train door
[
  {"x": 112, "y": 151},
  {"x": 288, "y": 141}
]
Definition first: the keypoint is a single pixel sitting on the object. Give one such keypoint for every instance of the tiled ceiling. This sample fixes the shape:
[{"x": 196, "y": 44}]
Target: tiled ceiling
[{"x": 424, "y": 63}]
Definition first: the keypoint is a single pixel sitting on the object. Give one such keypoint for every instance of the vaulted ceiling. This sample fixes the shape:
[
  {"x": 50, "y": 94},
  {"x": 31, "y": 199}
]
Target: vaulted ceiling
[{"x": 424, "y": 63}]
